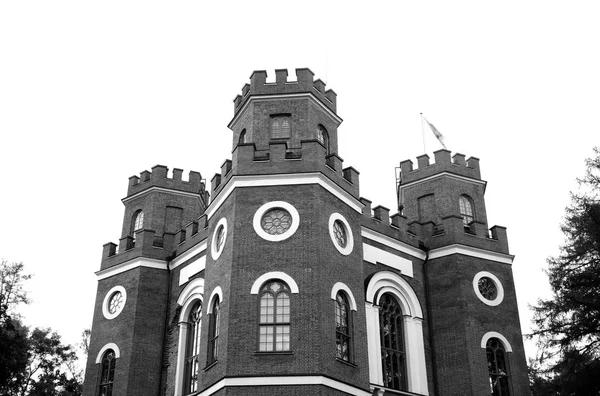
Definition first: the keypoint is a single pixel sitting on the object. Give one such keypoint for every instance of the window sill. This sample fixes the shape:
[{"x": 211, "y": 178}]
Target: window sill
[
  {"x": 346, "y": 362},
  {"x": 211, "y": 365},
  {"x": 268, "y": 353}
]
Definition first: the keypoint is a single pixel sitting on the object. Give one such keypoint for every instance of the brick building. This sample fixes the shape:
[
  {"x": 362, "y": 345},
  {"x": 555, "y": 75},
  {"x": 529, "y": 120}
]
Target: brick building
[{"x": 285, "y": 281}]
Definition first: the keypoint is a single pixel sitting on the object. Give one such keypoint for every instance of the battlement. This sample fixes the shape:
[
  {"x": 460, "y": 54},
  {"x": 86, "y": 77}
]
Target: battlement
[
  {"x": 304, "y": 84},
  {"x": 158, "y": 178},
  {"x": 443, "y": 163}
]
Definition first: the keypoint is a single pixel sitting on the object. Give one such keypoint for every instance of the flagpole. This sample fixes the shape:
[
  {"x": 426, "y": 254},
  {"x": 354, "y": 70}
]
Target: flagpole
[{"x": 423, "y": 133}]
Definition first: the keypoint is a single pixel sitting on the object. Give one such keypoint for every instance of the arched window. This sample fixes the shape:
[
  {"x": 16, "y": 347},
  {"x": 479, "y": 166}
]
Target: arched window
[
  {"x": 274, "y": 322},
  {"x": 213, "y": 332},
  {"x": 393, "y": 356},
  {"x": 107, "y": 375},
  {"x": 242, "y": 138},
  {"x": 281, "y": 126},
  {"x": 192, "y": 364},
  {"x": 323, "y": 137},
  {"x": 343, "y": 328},
  {"x": 466, "y": 210},
  {"x": 137, "y": 222},
  {"x": 496, "y": 359}
]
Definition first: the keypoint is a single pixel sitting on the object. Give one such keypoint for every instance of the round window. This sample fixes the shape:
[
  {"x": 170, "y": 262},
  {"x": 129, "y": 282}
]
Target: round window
[
  {"x": 276, "y": 221},
  {"x": 340, "y": 233},
  {"x": 488, "y": 288},
  {"x": 218, "y": 239},
  {"x": 114, "y": 302}
]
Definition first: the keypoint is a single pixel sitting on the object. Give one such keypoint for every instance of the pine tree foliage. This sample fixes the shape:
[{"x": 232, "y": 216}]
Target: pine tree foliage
[{"x": 567, "y": 326}]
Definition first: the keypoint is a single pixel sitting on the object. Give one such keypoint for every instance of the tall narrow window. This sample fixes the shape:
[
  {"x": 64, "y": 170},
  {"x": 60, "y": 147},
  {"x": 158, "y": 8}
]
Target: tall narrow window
[
  {"x": 242, "y": 139},
  {"x": 343, "y": 328},
  {"x": 323, "y": 137},
  {"x": 137, "y": 222},
  {"x": 281, "y": 126},
  {"x": 393, "y": 356},
  {"x": 496, "y": 358},
  {"x": 213, "y": 333},
  {"x": 107, "y": 375},
  {"x": 274, "y": 323},
  {"x": 466, "y": 210},
  {"x": 192, "y": 364}
]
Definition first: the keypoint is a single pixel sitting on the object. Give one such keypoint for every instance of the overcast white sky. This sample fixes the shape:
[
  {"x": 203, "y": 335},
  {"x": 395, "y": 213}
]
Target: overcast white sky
[{"x": 94, "y": 92}]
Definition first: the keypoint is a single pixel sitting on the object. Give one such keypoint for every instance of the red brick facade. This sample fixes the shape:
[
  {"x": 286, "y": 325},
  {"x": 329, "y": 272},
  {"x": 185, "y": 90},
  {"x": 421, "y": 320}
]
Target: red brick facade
[{"x": 424, "y": 257}]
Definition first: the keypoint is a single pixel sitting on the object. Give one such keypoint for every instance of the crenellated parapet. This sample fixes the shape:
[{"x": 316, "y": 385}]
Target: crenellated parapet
[
  {"x": 443, "y": 163},
  {"x": 158, "y": 178},
  {"x": 304, "y": 83}
]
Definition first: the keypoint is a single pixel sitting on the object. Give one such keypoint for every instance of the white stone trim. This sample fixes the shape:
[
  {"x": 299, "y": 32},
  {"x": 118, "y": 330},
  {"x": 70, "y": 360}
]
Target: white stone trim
[
  {"x": 471, "y": 251},
  {"x": 190, "y": 294},
  {"x": 392, "y": 243},
  {"x": 390, "y": 282},
  {"x": 493, "y": 334},
  {"x": 106, "y": 302},
  {"x": 285, "y": 380},
  {"x": 256, "y": 222},
  {"x": 214, "y": 250},
  {"x": 188, "y": 254},
  {"x": 217, "y": 292},
  {"x": 191, "y": 269},
  {"x": 110, "y": 345},
  {"x": 349, "y": 237},
  {"x": 283, "y": 180},
  {"x": 274, "y": 275},
  {"x": 160, "y": 189},
  {"x": 283, "y": 96},
  {"x": 131, "y": 264},
  {"x": 376, "y": 255},
  {"x": 448, "y": 174},
  {"x": 499, "y": 288},
  {"x": 341, "y": 286}
]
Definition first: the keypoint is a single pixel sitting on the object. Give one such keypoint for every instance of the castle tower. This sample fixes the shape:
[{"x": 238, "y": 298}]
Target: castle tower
[
  {"x": 289, "y": 282},
  {"x": 134, "y": 282},
  {"x": 471, "y": 293}
]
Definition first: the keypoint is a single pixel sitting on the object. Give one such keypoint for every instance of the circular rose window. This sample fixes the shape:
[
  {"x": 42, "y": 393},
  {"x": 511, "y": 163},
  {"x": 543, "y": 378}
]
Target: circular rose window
[
  {"x": 276, "y": 221},
  {"x": 218, "y": 239},
  {"x": 340, "y": 233},
  {"x": 488, "y": 288},
  {"x": 114, "y": 302}
]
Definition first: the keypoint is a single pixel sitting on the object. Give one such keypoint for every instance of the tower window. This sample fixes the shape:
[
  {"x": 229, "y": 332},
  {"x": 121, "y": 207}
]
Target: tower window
[
  {"x": 496, "y": 358},
  {"x": 393, "y": 356},
  {"x": 343, "y": 328},
  {"x": 137, "y": 222},
  {"x": 242, "y": 138},
  {"x": 274, "y": 322},
  {"x": 466, "y": 210},
  {"x": 107, "y": 375},
  {"x": 213, "y": 333},
  {"x": 323, "y": 137},
  {"x": 281, "y": 126},
  {"x": 193, "y": 349}
]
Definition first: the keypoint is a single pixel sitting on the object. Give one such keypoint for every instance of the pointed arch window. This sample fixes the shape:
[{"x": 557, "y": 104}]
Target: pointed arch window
[
  {"x": 497, "y": 366},
  {"x": 323, "y": 137},
  {"x": 213, "y": 333},
  {"x": 274, "y": 321},
  {"x": 393, "y": 355},
  {"x": 242, "y": 138},
  {"x": 281, "y": 126},
  {"x": 107, "y": 375},
  {"x": 466, "y": 210},
  {"x": 343, "y": 328},
  {"x": 192, "y": 364}
]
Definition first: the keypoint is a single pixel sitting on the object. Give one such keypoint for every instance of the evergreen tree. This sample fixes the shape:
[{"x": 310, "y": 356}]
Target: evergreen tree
[{"x": 568, "y": 324}]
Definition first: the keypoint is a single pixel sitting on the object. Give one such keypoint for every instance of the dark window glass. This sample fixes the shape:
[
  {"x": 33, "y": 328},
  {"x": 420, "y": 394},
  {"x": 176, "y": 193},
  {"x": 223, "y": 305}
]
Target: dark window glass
[
  {"x": 343, "y": 328},
  {"x": 213, "y": 333},
  {"x": 487, "y": 288},
  {"x": 496, "y": 359},
  {"x": 323, "y": 137},
  {"x": 393, "y": 356},
  {"x": 192, "y": 364},
  {"x": 466, "y": 210},
  {"x": 107, "y": 376},
  {"x": 242, "y": 139},
  {"x": 274, "y": 320},
  {"x": 281, "y": 127}
]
